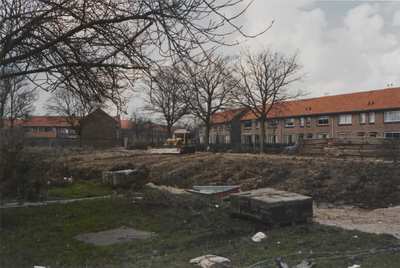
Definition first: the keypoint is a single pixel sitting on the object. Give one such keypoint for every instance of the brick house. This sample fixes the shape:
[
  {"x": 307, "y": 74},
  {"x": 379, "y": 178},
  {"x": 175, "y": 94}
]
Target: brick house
[
  {"x": 363, "y": 114},
  {"x": 101, "y": 130},
  {"x": 224, "y": 127}
]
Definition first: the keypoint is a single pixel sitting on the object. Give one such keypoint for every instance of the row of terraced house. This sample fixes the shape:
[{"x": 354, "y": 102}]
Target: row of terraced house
[
  {"x": 363, "y": 114},
  {"x": 101, "y": 130}
]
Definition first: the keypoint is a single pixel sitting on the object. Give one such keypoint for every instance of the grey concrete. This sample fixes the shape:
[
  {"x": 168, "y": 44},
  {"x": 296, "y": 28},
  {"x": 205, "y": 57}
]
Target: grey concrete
[{"x": 116, "y": 236}]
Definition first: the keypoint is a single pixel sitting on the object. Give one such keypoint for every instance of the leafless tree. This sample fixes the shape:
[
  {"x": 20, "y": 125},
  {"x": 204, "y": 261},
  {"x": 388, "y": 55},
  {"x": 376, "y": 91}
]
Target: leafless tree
[
  {"x": 72, "y": 108},
  {"x": 164, "y": 92},
  {"x": 16, "y": 99},
  {"x": 264, "y": 80},
  {"x": 208, "y": 88},
  {"x": 105, "y": 43},
  {"x": 142, "y": 125}
]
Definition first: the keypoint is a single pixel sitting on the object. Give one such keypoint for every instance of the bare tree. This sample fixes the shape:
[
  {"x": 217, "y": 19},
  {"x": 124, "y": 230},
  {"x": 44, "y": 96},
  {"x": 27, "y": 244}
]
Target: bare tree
[
  {"x": 104, "y": 43},
  {"x": 208, "y": 88},
  {"x": 164, "y": 92},
  {"x": 263, "y": 81},
  {"x": 72, "y": 108},
  {"x": 142, "y": 125},
  {"x": 16, "y": 99}
]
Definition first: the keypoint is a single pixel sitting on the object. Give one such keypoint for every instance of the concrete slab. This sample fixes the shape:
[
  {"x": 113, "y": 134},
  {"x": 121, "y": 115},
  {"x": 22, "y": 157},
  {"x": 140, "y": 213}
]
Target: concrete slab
[{"x": 116, "y": 236}]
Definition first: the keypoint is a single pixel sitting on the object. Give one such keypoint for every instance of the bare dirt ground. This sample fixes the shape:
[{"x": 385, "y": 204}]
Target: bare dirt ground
[{"x": 348, "y": 193}]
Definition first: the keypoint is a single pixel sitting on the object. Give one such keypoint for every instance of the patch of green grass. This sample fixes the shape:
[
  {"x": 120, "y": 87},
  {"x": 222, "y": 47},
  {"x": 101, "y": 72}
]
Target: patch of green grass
[
  {"x": 186, "y": 227},
  {"x": 80, "y": 189}
]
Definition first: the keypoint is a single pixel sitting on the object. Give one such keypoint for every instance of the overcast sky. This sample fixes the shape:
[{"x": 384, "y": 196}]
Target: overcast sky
[{"x": 345, "y": 46}]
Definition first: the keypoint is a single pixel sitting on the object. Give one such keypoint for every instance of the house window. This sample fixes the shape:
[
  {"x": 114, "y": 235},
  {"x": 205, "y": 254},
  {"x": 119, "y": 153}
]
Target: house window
[
  {"x": 344, "y": 119},
  {"x": 247, "y": 124},
  {"x": 256, "y": 138},
  {"x": 302, "y": 121},
  {"x": 360, "y": 134},
  {"x": 41, "y": 129},
  {"x": 372, "y": 118},
  {"x": 201, "y": 139},
  {"x": 273, "y": 123},
  {"x": 362, "y": 118},
  {"x": 31, "y": 129},
  {"x": 221, "y": 127},
  {"x": 344, "y": 134},
  {"x": 273, "y": 138},
  {"x": 392, "y": 116},
  {"x": 247, "y": 139},
  {"x": 227, "y": 139},
  {"x": 309, "y": 136},
  {"x": 289, "y": 122},
  {"x": 210, "y": 139},
  {"x": 392, "y": 134},
  {"x": 322, "y": 135},
  {"x": 215, "y": 128},
  {"x": 300, "y": 137},
  {"x": 323, "y": 121},
  {"x": 289, "y": 139},
  {"x": 257, "y": 124},
  {"x": 200, "y": 130},
  {"x": 308, "y": 121},
  {"x": 373, "y": 134}
]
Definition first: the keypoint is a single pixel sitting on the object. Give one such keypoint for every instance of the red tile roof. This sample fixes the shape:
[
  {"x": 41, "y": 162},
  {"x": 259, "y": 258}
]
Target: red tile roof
[
  {"x": 352, "y": 102},
  {"x": 225, "y": 116},
  {"x": 45, "y": 121},
  {"x": 41, "y": 134}
]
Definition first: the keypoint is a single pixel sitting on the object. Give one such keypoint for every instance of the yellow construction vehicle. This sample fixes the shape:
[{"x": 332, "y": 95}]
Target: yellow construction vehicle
[
  {"x": 181, "y": 143},
  {"x": 182, "y": 139}
]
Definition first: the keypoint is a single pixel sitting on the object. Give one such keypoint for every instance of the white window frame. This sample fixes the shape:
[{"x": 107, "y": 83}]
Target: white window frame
[
  {"x": 289, "y": 138},
  {"x": 373, "y": 134},
  {"x": 323, "y": 118},
  {"x": 301, "y": 121},
  {"x": 323, "y": 135},
  {"x": 308, "y": 121},
  {"x": 300, "y": 137},
  {"x": 273, "y": 123},
  {"x": 344, "y": 134},
  {"x": 257, "y": 124},
  {"x": 371, "y": 118},
  {"x": 273, "y": 137},
  {"x": 391, "y": 116},
  {"x": 289, "y": 122},
  {"x": 227, "y": 139},
  {"x": 362, "y": 119},
  {"x": 247, "y": 123},
  {"x": 344, "y": 119},
  {"x": 309, "y": 136},
  {"x": 360, "y": 135}
]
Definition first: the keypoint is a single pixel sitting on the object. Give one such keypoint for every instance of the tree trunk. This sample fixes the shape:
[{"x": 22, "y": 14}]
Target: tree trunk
[
  {"x": 262, "y": 139},
  {"x": 207, "y": 137}
]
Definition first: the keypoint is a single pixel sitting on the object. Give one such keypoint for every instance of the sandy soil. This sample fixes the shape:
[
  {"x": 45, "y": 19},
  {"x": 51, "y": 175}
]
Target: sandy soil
[{"x": 378, "y": 221}]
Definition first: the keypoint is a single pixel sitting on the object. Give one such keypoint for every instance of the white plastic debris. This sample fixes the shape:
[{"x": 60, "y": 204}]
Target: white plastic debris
[
  {"x": 208, "y": 260},
  {"x": 258, "y": 237},
  {"x": 355, "y": 266}
]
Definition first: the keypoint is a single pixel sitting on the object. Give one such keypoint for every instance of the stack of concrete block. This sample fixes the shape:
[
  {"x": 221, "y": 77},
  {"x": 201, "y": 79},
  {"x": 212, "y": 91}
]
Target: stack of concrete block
[{"x": 272, "y": 206}]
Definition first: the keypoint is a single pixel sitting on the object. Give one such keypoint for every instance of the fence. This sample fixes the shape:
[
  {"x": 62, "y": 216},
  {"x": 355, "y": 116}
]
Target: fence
[{"x": 371, "y": 148}]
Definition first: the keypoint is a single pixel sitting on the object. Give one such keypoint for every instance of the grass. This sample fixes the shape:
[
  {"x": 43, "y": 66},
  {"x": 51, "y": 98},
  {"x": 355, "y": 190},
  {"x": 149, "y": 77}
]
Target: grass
[
  {"x": 186, "y": 227},
  {"x": 81, "y": 189}
]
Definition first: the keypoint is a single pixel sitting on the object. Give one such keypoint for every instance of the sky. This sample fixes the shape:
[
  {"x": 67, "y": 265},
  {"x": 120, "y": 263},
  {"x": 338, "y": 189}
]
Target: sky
[{"x": 344, "y": 46}]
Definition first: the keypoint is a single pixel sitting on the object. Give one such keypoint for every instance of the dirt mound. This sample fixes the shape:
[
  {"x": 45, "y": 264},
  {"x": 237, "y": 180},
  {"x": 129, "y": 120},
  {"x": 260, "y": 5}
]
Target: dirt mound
[{"x": 363, "y": 183}]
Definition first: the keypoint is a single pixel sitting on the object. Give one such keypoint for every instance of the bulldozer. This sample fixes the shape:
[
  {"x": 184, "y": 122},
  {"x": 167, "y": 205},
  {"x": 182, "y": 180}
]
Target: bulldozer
[
  {"x": 182, "y": 140},
  {"x": 180, "y": 143}
]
